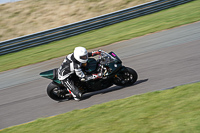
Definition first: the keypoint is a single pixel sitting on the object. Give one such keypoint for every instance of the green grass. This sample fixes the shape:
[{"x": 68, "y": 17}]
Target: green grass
[
  {"x": 176, "y": 110},
  {"x": 166, "y": 19}
]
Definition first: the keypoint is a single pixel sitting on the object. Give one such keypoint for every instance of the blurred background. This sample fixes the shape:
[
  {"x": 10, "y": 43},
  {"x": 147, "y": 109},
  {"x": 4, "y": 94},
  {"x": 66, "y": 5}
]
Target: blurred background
[{"x": 7, "y": 1}]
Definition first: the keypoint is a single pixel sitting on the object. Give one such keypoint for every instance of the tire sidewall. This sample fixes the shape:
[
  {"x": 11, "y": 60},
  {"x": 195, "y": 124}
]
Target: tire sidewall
[
  {"x": 129, "y": 70},
  {"x": 50, "y": 88}
]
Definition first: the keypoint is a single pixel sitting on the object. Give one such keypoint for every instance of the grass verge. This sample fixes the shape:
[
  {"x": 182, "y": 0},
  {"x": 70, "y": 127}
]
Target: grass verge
[
  {"x": 166, "y": 19},
  {"x": 175, "y": 110},
  {"x": 31, "y": 16}
]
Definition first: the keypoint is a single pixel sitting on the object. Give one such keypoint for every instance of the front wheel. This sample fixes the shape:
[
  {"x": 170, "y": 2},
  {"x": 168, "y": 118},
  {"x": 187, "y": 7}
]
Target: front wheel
[
  {"x": 57, "y": 93},
  {"x": 126, "y": 77}
]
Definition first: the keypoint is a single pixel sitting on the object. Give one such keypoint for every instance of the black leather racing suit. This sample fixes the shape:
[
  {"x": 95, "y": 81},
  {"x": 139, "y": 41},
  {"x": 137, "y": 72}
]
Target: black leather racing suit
[{"x": 69, "y": 66}]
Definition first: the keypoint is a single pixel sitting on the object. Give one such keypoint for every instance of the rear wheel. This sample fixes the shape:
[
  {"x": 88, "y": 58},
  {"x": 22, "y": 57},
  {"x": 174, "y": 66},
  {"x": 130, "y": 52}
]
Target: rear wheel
[
  {"x": 126, "y": 77},
  {"x": 57, "y": 93}
]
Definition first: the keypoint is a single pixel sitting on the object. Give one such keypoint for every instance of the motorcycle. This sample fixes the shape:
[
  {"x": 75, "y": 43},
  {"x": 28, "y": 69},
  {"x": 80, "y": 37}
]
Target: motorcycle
[{"x": 108, "y": 64}]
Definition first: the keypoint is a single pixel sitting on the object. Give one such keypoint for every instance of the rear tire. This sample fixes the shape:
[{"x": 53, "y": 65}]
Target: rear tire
[
  {"x": 126, "y": 77},
  {"x": 57, "y": 93}
]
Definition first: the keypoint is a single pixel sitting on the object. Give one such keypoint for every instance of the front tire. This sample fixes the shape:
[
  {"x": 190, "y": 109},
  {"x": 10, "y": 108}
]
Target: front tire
[
  {"x": 126, "y": 77},
  {"x": 57, "y": 93}
]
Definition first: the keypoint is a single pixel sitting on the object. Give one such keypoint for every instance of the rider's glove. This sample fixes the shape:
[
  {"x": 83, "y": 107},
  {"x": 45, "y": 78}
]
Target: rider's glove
[
  {"x": 83, "y": 79},
  {"x": 96, "y": 52},
  {"x": 90, "y": 77}
]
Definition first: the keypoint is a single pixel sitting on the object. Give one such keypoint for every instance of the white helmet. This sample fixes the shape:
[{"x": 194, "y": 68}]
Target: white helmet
[{"x": 81, "y": 54}]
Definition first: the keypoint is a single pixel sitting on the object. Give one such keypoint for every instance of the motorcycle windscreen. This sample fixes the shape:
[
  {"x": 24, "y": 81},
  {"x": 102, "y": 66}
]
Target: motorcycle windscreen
[{"x": 115, "y": 56}]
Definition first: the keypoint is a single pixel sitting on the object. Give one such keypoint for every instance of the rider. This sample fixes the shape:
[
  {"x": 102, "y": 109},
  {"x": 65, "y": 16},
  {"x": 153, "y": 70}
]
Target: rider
[{"x": 72, "y": 64}]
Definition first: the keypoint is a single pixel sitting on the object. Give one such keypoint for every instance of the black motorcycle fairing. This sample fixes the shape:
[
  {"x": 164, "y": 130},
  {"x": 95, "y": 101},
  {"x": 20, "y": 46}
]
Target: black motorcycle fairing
[{"x": 99, "y": 84}]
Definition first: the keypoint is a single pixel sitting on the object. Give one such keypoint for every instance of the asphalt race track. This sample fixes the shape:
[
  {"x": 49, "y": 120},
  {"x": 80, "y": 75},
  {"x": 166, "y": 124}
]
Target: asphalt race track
[{"x": 163, "y": 60}]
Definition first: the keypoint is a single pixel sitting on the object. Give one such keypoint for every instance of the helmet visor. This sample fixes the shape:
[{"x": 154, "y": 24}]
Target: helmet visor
[{"x": 84, "y": 57}]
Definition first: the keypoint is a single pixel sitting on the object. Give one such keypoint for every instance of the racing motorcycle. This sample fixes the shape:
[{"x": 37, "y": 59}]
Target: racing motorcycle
[{"x": 108, "y": 64}]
